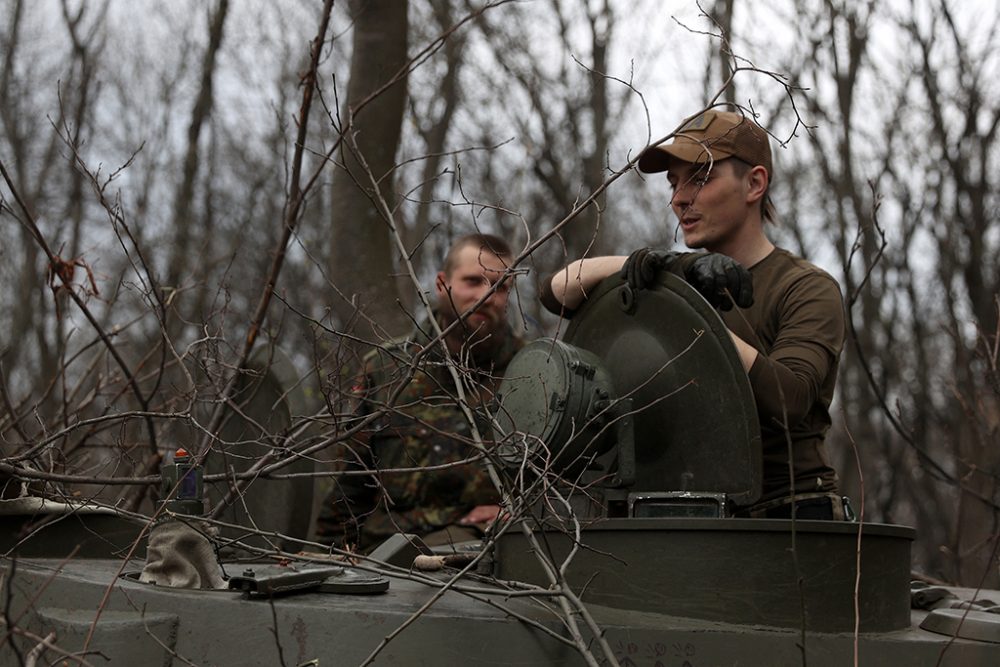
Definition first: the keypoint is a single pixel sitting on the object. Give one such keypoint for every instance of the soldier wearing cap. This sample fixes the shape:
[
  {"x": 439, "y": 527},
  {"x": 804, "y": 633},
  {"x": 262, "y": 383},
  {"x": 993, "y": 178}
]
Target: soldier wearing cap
[
  {"x": 427, "y": 477},
  {"x": 788, "y": 320}
]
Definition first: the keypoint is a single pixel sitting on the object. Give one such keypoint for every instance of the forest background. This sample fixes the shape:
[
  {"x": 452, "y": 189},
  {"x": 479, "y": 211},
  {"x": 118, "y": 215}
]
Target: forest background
[{"x": 184, "y": 190}]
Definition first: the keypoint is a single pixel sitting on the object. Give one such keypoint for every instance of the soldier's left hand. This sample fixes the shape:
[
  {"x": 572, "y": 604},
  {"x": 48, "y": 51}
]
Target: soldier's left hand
[{"x": 718, "y": 277}]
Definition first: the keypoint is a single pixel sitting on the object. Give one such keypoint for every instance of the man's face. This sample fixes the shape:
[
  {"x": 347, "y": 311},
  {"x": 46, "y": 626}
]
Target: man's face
[
  {"x": 711, "y": 204},
  {"x": 475, "y": 271}
]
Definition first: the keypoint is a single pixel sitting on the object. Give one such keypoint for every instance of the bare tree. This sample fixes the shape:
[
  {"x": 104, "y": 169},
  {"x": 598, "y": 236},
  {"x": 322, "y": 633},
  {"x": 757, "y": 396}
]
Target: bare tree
[
  {"x": 512, "y": 118},
  {"x": 574, "y": 111},
  {"x": 370, "y": 126},
  {"x": 963, "y": 123},
  {"x": 720, "y": 64},
  {"x": 901, "y": 180},
  {"x": 433, "y": 124},
  {"x": 185, "y": 221}
]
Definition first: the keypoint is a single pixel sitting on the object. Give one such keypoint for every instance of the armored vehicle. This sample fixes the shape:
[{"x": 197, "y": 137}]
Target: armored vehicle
[{"x": 626, "y": 444}]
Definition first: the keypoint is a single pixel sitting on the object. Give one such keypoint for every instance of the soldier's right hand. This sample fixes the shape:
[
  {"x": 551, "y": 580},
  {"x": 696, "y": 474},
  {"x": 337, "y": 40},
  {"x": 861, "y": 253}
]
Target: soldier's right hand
[
  {"x": 484, "y": 514},
  {"x": 717, "y": 277}
]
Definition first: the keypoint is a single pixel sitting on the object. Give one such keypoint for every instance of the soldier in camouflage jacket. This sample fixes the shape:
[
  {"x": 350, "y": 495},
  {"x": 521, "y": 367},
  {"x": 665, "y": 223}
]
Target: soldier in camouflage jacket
[{"x": 427, "y": 477}]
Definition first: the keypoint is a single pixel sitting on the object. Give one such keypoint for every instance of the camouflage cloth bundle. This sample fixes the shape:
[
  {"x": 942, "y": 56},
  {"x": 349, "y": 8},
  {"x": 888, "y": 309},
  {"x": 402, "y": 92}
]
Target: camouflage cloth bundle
[{"x": 180, "y": 555}]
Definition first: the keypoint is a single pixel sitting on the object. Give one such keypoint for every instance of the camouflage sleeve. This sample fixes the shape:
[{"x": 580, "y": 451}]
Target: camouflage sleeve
[
  {"x": 353, "y": 496},
  {"x": 344, "y": 508}
]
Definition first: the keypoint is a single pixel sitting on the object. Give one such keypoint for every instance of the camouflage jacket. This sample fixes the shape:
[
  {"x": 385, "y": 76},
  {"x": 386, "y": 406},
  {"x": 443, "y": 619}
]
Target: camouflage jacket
[{"x": 423, "y": 426}]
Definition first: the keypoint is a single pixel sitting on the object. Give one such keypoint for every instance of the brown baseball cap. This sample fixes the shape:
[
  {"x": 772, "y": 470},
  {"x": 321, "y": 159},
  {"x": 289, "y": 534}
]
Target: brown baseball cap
[{"x": 709, "y": 136}]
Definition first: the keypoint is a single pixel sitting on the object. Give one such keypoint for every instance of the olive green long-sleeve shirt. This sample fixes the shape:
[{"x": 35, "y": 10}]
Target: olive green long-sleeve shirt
[{"x": 797, "y": 324}]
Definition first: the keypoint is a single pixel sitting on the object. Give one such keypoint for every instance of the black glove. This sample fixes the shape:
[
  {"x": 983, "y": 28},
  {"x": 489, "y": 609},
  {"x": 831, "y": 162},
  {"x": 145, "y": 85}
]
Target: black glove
[
  {"x": 643, "y": 265},
  {"x": 713, "y": 274}
]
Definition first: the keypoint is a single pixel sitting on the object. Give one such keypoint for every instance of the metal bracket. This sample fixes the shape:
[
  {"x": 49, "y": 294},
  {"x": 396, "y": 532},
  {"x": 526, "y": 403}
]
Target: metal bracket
[
  {"x": 270, "y": 580},
  {"x": 678, "y": 504},
  {"x": 625, "y": 439}
]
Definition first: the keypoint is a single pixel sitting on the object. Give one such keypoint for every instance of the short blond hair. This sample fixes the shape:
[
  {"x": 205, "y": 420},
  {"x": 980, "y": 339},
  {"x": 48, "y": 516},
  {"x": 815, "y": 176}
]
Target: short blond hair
[{"x": 488, "y": 242}]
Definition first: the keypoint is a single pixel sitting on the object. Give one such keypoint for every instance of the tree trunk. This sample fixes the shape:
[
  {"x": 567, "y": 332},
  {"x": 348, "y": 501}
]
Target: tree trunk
[{"x": 362, "y": 250}]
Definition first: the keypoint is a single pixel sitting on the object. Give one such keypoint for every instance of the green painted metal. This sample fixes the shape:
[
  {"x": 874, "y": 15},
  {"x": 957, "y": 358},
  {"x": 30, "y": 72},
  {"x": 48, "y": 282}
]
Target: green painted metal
[
  {"x": 553, "y": 407},
  {"x": 667, "y": 350},
  {"x": 226, "y": 629},
  {"x": 733, "y": 570},
  {"x": 268, "y": 397}
]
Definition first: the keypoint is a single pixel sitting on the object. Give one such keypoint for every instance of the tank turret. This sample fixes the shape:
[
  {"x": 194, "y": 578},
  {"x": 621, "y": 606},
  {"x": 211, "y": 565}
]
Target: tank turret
[{"x": 644, "y": 399}]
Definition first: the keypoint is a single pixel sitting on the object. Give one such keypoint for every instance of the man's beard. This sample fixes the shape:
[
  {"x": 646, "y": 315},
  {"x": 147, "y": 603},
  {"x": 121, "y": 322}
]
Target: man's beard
[{"x": 474, "y": 335}]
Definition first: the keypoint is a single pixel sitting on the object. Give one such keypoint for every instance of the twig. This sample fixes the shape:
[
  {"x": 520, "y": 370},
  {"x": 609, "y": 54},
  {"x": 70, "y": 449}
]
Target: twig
[
  {"x": 29, "y": 221},
  {"x": 32, "y": 657},
  {"x": 857, "y": 562}
]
